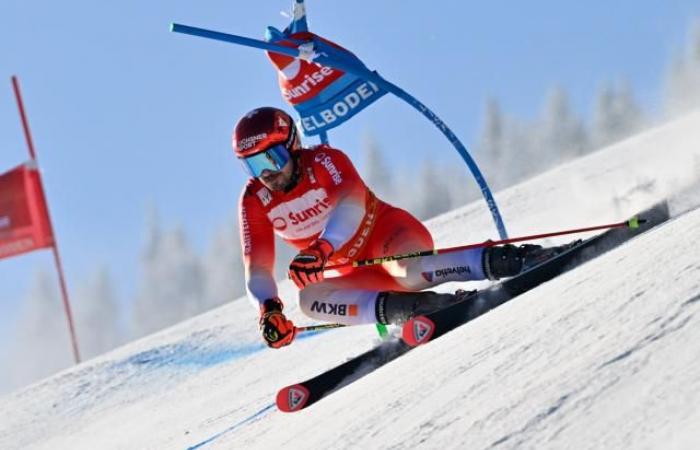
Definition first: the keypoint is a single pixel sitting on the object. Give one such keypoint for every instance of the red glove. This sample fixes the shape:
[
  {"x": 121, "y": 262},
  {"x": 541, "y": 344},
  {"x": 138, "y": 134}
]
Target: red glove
[
  {"x": 307, "y": 266},
  {"x": 276, "y": 330}
]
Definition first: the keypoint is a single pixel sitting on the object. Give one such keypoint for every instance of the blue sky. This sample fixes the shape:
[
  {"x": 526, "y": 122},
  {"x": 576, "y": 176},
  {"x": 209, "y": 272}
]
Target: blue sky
[{"x": 126, "y": 114}]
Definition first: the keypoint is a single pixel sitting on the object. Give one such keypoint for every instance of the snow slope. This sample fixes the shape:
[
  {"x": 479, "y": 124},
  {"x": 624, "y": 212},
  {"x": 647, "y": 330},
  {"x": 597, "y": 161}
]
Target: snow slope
[{"x": 605, "y": 356}]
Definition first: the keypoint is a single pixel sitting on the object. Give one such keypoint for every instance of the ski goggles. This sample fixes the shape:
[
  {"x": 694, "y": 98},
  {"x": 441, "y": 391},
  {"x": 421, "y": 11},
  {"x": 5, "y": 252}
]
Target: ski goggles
[{"x": 272, "y": 159}]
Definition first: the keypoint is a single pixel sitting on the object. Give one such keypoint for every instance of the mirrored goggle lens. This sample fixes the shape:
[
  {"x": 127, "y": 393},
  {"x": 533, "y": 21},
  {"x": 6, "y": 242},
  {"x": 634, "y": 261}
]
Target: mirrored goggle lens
[{"x": 272, "y": 159}]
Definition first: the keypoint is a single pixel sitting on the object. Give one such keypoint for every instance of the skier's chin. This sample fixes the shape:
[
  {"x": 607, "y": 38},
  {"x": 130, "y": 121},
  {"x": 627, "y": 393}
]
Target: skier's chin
[{"x": 276, "y": 182}]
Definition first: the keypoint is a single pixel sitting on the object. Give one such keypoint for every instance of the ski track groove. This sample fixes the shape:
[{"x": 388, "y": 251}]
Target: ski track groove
[
  {"x": 535, "y": 420},
  {"x": 248, "y": 420},
  {"x": 667, "y": 326},
  {"x": 557, "y": 407}
]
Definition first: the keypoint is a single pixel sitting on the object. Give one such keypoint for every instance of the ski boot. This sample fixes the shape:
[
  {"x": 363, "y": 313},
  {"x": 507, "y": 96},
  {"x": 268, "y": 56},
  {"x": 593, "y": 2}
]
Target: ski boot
[
  {"x": 509, "y": 260},
  {"x": 395, "y": 308}
]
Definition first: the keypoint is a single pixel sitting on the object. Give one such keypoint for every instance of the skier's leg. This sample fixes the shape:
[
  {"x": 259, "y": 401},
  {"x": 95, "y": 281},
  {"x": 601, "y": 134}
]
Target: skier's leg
[
  {"x": 399, "y": 296},
  {"x": 392, "y": 292},
  {"x": 385, "y": 293},
  {"x": 509, "y": 260},
  {"x": 349, "y": 299},
  {"x": 368, "y": 296},
  {"x": 396, "y": 307},
  {"x": 492, "y": 263},
  {"x": 398, "y": 232}
]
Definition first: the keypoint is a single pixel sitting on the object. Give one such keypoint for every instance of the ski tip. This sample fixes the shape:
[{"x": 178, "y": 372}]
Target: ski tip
[
  {"x": 292, "y": 398},
  {"x": 418, "y": 331},
  {"x": 171, "y": 27}
]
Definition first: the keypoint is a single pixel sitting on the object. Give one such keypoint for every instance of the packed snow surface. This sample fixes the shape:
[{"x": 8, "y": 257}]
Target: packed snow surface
[{"x": 605, "y": 356}]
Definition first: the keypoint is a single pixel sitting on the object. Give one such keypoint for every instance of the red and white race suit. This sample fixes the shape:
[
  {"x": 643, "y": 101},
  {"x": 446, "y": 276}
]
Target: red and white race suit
[{"x": 331, "y": 201}]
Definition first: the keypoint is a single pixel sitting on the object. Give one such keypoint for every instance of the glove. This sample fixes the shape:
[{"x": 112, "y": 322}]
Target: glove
[
  {"x": 276, "y": 330},
  {"x": 307, "y": 266}
]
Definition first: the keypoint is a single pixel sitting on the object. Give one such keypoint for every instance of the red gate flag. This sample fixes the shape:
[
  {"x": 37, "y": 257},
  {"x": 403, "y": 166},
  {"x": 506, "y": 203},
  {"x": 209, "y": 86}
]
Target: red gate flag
[{"x": 24, "y": 218}]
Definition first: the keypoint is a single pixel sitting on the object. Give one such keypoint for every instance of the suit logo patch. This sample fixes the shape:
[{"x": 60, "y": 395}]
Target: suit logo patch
[
  {"x": 335, "y": 309},
  {"x": 265, "y": 196}
]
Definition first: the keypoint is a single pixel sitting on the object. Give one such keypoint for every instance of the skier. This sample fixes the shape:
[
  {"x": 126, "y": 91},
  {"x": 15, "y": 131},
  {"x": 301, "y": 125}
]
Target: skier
[{"x": 314, "y": 199}]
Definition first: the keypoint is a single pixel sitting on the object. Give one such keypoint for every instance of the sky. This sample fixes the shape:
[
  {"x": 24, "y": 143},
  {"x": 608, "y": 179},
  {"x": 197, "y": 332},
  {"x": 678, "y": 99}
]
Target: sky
[{"x": 127, "y": 116}]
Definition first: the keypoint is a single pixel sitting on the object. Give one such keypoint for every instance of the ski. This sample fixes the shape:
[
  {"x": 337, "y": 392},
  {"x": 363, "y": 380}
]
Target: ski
[
  {"x": 422, "y": 329},
  {"x": 301, "y": 395}
]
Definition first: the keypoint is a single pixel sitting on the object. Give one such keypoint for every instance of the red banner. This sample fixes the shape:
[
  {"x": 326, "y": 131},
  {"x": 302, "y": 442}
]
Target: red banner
[{"x": 24, "y": 218}]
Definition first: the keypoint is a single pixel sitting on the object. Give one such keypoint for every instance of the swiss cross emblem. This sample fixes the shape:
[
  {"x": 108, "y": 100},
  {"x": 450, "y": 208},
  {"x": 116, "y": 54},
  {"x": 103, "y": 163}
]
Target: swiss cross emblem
[{"x": 265, "y": 196}]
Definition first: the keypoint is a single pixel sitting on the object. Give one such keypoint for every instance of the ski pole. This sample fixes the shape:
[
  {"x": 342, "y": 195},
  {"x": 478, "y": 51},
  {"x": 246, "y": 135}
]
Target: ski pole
[
  {"x": 632, "y": 223},
  {"x": 325, "y": 326}
]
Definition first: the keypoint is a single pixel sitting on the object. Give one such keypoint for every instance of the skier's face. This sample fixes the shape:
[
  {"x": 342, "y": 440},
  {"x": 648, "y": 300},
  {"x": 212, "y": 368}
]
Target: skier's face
[{"x": 279, "y": 180}]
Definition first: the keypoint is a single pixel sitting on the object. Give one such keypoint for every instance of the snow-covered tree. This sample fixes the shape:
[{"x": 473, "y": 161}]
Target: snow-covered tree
[
  {"x": 223, "y": 267},
  {"x": 561, "y": 133},
  {"x": 433, "y": 195},
  {"x": 493, "y": 134},
  {"x": 506, "y": 150},
  {"x": 462, "y": 187},
  {"x": 172, "y": 283},
  {"x": 98, "y": 320},
  {"x": 523, "y": 157},
  {"x": 682, "y": 85},
  {"x": 40, "y": 344},
  {"x": 491, "y": 147},
  {"x": 375, "y": 171},
  {"x": 616, "y": 115}
]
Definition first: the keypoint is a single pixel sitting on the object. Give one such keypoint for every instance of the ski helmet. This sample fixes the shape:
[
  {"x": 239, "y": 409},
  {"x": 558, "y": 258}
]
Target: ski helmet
[{"x": 263, "y": 128}]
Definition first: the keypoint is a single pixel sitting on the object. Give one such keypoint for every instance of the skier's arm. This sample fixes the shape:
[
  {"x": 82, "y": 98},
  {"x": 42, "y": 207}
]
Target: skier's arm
[
  {"x": 350, "y": 196},
  {"x": 350, "y": 193},
  {"x": 258, "y": 248}
]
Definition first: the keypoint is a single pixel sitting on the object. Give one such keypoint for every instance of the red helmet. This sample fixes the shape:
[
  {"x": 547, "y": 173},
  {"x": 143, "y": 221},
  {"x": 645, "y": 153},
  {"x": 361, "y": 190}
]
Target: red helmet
[{"x": 262, "y": 128}]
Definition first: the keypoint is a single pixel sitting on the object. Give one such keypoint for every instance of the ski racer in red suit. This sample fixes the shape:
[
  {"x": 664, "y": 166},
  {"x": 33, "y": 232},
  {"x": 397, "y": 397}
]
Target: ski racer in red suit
[{"x": 315, "y": 200}]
